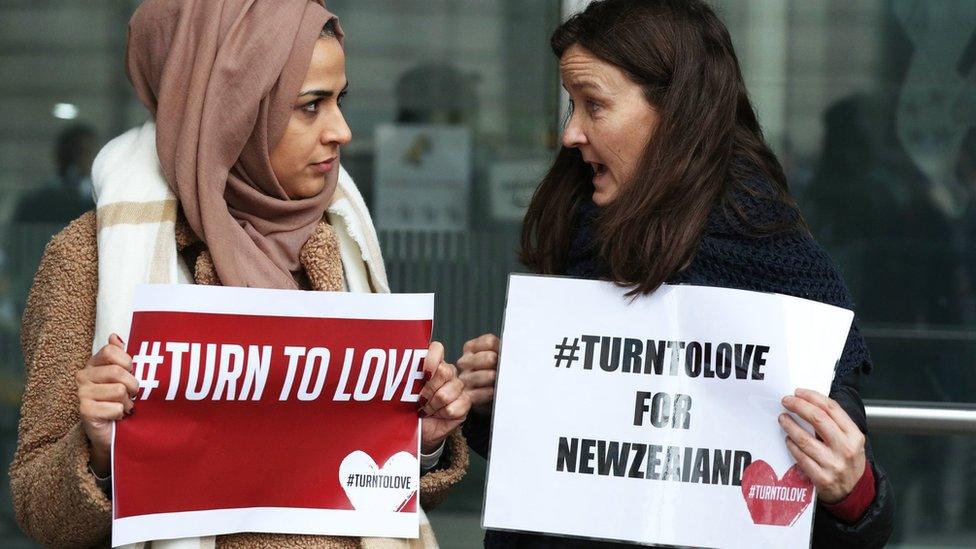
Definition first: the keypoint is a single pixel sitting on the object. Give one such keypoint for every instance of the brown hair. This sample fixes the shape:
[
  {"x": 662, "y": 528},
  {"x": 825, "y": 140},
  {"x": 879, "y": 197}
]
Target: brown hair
[{"x": 705, "y": 148}]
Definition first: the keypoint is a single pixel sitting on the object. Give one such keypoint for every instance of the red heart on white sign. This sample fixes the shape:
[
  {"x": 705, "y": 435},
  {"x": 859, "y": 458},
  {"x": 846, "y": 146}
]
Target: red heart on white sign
[
  {"x": 774, "y": 501},
  {"x": 374, "y": 488}
]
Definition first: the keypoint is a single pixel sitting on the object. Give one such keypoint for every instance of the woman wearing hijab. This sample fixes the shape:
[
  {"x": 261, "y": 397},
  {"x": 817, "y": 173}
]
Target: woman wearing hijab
[
  {"x": 236, "y": 182},
  {"x": 664, "y": 177}
]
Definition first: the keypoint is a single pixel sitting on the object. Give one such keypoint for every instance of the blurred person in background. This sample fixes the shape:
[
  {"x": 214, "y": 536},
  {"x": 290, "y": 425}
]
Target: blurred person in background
[
  {"x": 42, "y": 212},
  {"x": 70, "y": 194}
]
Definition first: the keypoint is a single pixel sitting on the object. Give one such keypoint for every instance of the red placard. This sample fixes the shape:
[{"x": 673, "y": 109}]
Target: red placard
[{"x": 275, "y": 423}]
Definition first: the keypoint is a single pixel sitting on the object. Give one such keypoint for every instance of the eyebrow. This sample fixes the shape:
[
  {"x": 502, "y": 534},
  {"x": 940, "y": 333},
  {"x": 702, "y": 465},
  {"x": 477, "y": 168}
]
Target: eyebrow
[
  {"x": 585, "y": 85},
  {"x": 322, "y": 94}
]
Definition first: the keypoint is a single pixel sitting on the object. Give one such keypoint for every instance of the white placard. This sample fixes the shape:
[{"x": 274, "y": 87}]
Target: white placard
[
  {"x": 423, "y": 177},
  {"x": 586, "y": 373}
]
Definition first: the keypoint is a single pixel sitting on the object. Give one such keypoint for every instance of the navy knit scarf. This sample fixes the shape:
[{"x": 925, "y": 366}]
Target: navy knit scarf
[{"x": 789, "y": 263}]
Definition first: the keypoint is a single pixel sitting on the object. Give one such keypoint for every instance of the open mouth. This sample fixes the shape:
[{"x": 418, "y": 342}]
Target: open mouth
[{"x": 598, "y": 169}]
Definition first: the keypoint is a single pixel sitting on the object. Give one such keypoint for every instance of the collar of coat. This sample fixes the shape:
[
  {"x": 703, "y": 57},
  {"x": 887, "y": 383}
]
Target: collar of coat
[{"x": 319, "y": 256}]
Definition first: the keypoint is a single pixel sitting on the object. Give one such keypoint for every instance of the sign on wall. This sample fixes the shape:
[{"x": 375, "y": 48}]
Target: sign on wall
[{"x": 423, "y": 177}]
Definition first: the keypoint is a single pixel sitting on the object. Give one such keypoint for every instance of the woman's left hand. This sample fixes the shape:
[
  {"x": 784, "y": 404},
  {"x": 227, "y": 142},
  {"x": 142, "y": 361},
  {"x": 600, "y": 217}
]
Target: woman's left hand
[
  {"x": 443, "y": 403},
  {"x": 834, "y": 460}
]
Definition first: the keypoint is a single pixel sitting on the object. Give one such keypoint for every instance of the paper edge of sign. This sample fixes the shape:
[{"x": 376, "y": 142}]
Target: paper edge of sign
[
  {"x": 269, "y": 520},
  {"x": 491, "y": 426},
  {"x": 188, "y": 298},
  {"x": 584, "y": 281},
  {"x": 810, "y": 509},
  {"x": 111, "y": 467}
]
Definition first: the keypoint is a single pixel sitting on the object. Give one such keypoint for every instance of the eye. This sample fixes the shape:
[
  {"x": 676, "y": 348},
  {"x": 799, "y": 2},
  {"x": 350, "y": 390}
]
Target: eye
[
  {"x": 311, "y": 107},
  {"x": 593, "y": 106}
]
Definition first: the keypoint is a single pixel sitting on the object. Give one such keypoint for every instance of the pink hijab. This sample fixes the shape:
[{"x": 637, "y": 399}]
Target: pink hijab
[{"x": 220, "y": 78}]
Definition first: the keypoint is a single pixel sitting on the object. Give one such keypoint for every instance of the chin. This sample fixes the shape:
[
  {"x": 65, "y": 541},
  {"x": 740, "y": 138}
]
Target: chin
[
  {"x": 305, "y": 189},
  {"x": 604, "y": 197}
]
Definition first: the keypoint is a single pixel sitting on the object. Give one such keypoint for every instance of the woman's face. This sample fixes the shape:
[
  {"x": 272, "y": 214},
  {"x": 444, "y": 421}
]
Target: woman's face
[
  {"x": 611, "y": 120},
  {"x": 309, "y": 149}
]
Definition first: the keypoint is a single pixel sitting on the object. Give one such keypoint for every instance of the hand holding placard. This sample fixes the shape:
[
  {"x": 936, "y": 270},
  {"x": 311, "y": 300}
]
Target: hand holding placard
[
  {"x": 106, "y": 388},
  {"x": 836, "y": 462},
  {"x": 443, "y": 403},
  {"x": 478, "y": 365}
]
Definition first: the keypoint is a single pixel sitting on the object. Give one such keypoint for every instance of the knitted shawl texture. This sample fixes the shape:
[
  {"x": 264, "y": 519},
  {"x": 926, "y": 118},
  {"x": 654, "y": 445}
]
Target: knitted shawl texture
[{"x": 789, "y": 263}]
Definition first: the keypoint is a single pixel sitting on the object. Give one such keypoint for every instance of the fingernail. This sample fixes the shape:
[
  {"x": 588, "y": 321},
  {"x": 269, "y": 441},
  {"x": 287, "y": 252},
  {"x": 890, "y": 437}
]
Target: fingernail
[
  {"x": 422, "y": 413},
  {"x": 422, "y": 402}
]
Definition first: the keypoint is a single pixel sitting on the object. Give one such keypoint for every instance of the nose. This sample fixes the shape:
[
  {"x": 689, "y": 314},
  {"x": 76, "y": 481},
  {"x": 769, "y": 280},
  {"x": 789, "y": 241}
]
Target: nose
[
  {"x": 336, "y": 130},
  {"x": 573, "y": 135}
]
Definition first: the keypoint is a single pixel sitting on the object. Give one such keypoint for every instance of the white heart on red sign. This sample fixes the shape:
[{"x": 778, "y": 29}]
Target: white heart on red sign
[{"x": 374, "y": 488}]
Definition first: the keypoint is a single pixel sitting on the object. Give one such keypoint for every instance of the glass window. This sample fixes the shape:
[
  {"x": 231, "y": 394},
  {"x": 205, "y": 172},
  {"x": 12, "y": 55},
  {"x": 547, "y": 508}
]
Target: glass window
[{"x": 454, "y": 107}]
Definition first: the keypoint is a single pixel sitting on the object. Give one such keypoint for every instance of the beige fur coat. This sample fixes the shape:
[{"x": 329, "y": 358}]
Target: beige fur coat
[{"x": 55, "y": 496}]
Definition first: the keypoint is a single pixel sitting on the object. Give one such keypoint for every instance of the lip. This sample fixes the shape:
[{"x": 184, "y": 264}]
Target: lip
[
  {"x": 598, "y": 177},
  {"x": 324, "y": 166}
]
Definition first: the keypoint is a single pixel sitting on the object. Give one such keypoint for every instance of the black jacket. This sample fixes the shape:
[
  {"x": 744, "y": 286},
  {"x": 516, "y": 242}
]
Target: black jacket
[{"x": 789, "y": 262}]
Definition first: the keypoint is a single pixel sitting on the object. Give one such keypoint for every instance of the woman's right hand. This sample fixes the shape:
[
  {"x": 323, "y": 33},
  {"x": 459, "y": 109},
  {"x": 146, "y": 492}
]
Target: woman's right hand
[
  {"x": 106, "y": 387},
  {"x": 477, "y": 368}
]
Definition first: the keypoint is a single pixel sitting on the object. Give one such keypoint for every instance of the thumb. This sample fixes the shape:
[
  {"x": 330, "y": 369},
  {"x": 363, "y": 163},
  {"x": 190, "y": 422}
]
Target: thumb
[{"x": 115, "y": 340}]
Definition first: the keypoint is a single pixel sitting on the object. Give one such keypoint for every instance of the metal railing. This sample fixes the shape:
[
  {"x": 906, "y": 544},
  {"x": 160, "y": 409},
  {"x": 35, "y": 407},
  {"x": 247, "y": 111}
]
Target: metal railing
[{"x": 920, "y": 418}]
